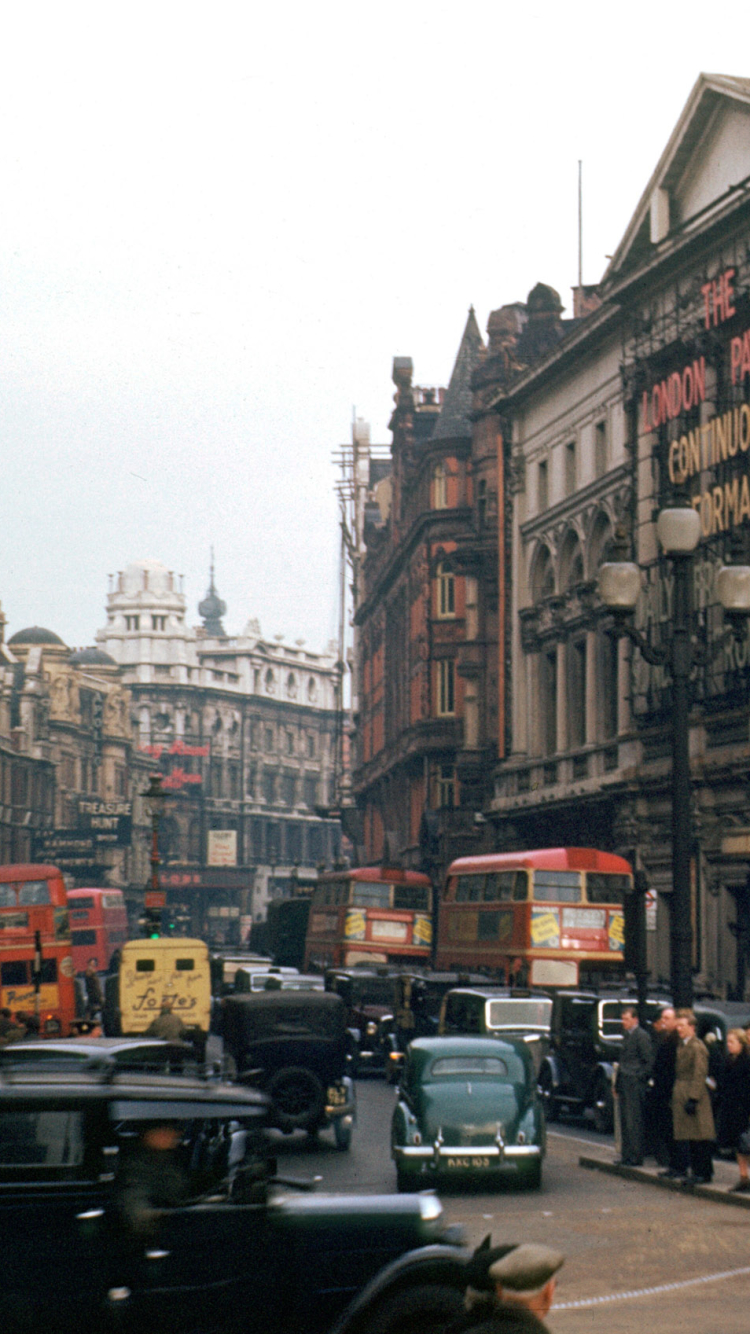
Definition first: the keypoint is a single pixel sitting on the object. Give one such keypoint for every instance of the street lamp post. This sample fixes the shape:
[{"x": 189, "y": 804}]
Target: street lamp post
[
  {"x": 155, "y": 798},
  {"x": 678, "y": 528}
]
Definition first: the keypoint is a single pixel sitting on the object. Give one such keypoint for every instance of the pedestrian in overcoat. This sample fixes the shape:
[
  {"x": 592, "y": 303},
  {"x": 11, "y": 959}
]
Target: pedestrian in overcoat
[
  {"x": 734, "y": 1105},
  {"x": 691, "y": 1105},
  {"x": 633, "y": 1072}
]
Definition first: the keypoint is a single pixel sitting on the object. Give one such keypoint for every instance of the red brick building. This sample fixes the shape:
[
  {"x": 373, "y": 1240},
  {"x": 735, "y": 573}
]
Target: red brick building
[{"x": 427, "y": 626}]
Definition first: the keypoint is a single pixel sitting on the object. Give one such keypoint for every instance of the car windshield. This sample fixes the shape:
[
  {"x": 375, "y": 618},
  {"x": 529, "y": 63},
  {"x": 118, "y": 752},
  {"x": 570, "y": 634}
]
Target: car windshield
[
  {"x": 509, "y": 1013},
  {"x": 468, "y": 1065}
]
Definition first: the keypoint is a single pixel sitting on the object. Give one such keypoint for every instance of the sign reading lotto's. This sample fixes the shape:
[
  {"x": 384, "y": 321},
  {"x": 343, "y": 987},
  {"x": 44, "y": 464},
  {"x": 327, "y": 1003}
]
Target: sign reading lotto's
[{"x": 710, "y": 456}]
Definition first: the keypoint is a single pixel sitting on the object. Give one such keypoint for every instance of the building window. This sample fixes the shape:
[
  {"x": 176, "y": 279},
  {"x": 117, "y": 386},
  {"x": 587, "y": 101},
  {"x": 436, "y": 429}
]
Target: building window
[
  {"x": 312, "y": 689},
  {"x": 294, "y": 843},
  {"x": 290, "y": 743},
  {"x": 439, "y": 487},
  {"x": 250, "y": 780},
  {"x": 269, "y": 786},
  {"x": 542, "y": 483},
  {"x": 571, "y": 468},
  {"x": 576, "y": 692},
  {"x": 121, "y": 782},
  {"x": 446, "y": 687},
  {"x": 311, "y": 791},
  {"x": 270, "y": 682},
  {"x": 234, "y": 783},
  {"x": 311, "y": 744},
  {"x": 446, "y": 785},
  {"x": 269, "y": 738},
  {"x": 291, "y": 686},
  {"x": 481, "y": 504},
  {"x": 158, "y": 622},
  {"x": 132, "y": 622},
  {"x": 548, "y": 701},
  {"x": 600, "y": 448},
  {"x": 288, "y": 789},
  {"x": 446, "y": 593}
]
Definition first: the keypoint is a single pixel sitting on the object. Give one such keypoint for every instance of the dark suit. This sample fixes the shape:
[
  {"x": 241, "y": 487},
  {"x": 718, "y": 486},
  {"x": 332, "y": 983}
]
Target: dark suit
[
  {"x": 632, "y": 1078},
  {"x": 659, "y": 1100}
]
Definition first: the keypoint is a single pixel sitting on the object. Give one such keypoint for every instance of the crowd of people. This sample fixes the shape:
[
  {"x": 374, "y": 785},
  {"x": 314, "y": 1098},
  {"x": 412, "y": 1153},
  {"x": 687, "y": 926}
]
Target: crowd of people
[{"x": 681, "y": 1099}]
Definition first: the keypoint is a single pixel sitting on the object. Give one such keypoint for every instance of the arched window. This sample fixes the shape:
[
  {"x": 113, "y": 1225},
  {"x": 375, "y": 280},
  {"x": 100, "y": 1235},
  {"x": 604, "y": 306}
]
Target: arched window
[
  {"x": 571, "y": 562},
  {"x": 446, "y": 592},
  {"x": 270, "y": 682},
  {"x": 291, "y": 685},
  {"x": 440, "y": 487},
  {"x": 600, "y": 543},
  {"x": 543, "y": 575}
]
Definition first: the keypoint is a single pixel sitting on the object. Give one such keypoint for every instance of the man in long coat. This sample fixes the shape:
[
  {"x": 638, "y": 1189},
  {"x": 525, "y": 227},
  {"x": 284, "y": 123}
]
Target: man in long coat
[
  {"x": 632, "y": 1076},
  {"x": 693, "y": 1119}
]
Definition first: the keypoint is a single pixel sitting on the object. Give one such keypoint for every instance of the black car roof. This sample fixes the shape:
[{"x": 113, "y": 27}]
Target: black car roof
[
  {"x": 92, "y": 1046},
  {"x": 132, "y": 1097}
]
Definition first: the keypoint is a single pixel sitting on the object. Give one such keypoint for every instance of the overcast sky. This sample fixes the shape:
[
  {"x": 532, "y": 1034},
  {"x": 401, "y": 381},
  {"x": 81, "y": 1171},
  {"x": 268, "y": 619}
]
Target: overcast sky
[{"x": 220, "y": 222}]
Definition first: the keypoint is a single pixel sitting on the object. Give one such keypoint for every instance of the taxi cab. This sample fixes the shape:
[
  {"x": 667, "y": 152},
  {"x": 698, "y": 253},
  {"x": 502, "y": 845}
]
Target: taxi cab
[{"x": 244, "y": 1252}]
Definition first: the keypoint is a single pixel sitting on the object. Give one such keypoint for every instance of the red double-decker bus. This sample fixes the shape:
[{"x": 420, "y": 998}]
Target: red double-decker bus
[
  {"x": 36, "y": 965},
  {"x": 549, "y": 918},
  {"x": 98, "y": 926},
  {"x": 369, "y": 915}
]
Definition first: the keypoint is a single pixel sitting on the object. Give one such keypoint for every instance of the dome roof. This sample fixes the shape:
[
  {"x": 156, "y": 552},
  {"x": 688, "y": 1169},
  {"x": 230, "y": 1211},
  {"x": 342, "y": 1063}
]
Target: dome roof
[
  {"x": 36, "y": 634},
  {"x": 91, "y": 657}
]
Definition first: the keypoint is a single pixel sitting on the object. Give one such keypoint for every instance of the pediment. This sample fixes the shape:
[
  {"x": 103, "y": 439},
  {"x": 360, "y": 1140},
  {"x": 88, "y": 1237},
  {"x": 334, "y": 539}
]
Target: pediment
[{"x": 707, "y": 155}]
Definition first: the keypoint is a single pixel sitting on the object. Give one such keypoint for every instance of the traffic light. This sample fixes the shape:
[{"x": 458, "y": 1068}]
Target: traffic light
[{"x": 150, "y": 923}]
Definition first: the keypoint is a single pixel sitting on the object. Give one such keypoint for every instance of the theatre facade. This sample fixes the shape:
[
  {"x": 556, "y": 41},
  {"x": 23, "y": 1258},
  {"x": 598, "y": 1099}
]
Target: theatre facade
[{"x": 645, "y": 401}]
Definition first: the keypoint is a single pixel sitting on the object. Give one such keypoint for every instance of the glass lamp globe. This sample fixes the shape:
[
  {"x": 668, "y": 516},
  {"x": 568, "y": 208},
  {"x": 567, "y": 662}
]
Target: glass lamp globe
[
  {"x": 619, "y": 584},
  {"x": 733, "y": 588},
  {"x": 679, "y": 530}
]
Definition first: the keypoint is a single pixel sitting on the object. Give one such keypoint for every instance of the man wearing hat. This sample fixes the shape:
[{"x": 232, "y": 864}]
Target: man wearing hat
[{"x": 510, "y": 1288}]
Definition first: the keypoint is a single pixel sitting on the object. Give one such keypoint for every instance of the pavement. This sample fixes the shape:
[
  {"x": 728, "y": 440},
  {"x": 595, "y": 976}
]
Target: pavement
[{"x": 719, "y": 1190}]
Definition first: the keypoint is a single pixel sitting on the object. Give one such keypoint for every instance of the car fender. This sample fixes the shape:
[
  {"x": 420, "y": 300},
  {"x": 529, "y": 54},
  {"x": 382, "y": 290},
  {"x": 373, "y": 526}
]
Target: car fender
[
  {"x": 437, "y": 1264},
  {"x": 399, "y": 1124},
  {"x": 606, "y": 1069},
  {"x": 554, "y": 1065}
]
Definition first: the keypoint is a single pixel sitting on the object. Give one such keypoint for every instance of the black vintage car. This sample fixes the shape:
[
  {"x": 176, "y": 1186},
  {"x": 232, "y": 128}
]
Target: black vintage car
[
  {"x": 295, "y": 1046},
  {"x": 245, "y": 1255},
  {"x": 585, "y": 1040},
  {"x": 370, "y": 996}
]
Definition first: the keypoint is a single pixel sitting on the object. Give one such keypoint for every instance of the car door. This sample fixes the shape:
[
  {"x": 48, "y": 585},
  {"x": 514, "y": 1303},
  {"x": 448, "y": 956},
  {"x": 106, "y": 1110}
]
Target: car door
[
  {"x": 208, "y": 1266},
  {"x": 53, "y": 1219}
]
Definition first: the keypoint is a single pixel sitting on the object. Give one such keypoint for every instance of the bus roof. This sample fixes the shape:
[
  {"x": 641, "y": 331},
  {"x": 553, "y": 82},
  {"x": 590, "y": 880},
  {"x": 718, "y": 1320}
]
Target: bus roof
[
  {"x": 550, "y": 859},
  {"x": 394, "y": 875},
  {"x": 94, "y": 889},
  {"x": 28, "y": 871}
]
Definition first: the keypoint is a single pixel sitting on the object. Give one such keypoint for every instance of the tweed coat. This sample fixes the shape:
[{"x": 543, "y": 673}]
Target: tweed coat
[{"x": 691, "y": 1069}]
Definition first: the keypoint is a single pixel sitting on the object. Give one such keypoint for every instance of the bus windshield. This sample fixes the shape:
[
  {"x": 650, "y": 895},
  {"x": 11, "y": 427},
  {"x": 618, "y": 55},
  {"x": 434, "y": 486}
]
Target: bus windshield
[
  {"x": 604, "y": 888},
  {"x": 557, "y": 886}
]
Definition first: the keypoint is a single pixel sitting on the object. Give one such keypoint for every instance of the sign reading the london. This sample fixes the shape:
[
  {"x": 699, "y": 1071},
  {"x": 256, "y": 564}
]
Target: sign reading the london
[{"x": 709, "y": 451}]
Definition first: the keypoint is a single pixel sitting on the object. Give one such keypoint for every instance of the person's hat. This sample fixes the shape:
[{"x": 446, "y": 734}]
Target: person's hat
[
  {"x": 478, "y": 1268},
  {"x": 526, "y": 1268}
]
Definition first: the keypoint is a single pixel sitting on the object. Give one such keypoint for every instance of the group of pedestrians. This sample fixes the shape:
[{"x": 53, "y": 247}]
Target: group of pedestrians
[{"x": 677, "y": 1102}]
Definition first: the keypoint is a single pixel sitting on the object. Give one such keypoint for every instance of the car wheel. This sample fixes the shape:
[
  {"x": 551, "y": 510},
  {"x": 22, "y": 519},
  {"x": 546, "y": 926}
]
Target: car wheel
[
  {"x": 427, "y": 1308},
  {"x": 531, "y": 1174},
  {"x": 298, "y": 1098},
  {"x": 604, "y": 1113},
  {"x": 547, "y": 1095},
  {"x": 342, "y": 1134}
]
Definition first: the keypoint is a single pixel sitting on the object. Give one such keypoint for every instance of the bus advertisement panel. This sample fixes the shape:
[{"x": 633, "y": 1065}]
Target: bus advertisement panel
[
  {"x": 369, "y": 915},
  {"x": 36, "y": 965},
  {"x": 549, "y": 918},
  {"x": 99, "y": 926}
]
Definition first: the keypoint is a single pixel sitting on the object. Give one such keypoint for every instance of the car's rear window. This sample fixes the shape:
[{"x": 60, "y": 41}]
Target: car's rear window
[
  {"x": 469, "y": 1065},
  {"x": 512, "y": 1013}
]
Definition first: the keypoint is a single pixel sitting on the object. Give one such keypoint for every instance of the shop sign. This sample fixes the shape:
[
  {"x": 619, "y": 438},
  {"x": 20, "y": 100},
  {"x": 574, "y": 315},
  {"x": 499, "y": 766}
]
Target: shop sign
[
  {"x": 109, "y": 823},
  {"x": 69, "y": 850},
  {"x": 222, "y": 847}
]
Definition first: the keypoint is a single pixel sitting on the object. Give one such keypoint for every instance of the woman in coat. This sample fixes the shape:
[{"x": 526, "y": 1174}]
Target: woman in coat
[
  {"x": 691, "y": 1105},
  {"x": 734, "y": 1108}
]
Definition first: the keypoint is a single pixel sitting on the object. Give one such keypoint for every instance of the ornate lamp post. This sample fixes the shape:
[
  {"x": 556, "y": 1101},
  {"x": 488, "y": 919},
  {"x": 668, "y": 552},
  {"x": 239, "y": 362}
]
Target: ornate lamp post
[
  {"x": 155, "y": 898},
  {"x": 678, "y": 529}
]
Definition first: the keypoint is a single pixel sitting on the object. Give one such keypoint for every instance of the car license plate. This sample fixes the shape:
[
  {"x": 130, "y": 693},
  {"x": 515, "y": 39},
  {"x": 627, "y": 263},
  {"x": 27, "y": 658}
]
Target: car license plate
[{"x": 470, "y": 1160}]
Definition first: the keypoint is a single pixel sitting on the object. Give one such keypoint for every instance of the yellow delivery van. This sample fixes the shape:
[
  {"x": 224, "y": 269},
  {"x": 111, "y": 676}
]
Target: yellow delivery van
[{"x": 153, "y": 973}]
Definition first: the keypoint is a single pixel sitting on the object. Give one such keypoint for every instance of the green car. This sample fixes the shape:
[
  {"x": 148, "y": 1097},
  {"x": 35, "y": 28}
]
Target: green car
[{"x": 467, "y": 1107}]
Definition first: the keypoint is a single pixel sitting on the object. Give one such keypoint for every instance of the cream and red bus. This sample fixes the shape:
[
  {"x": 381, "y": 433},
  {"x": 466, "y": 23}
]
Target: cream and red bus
[{"x": 548, "y": 918}]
